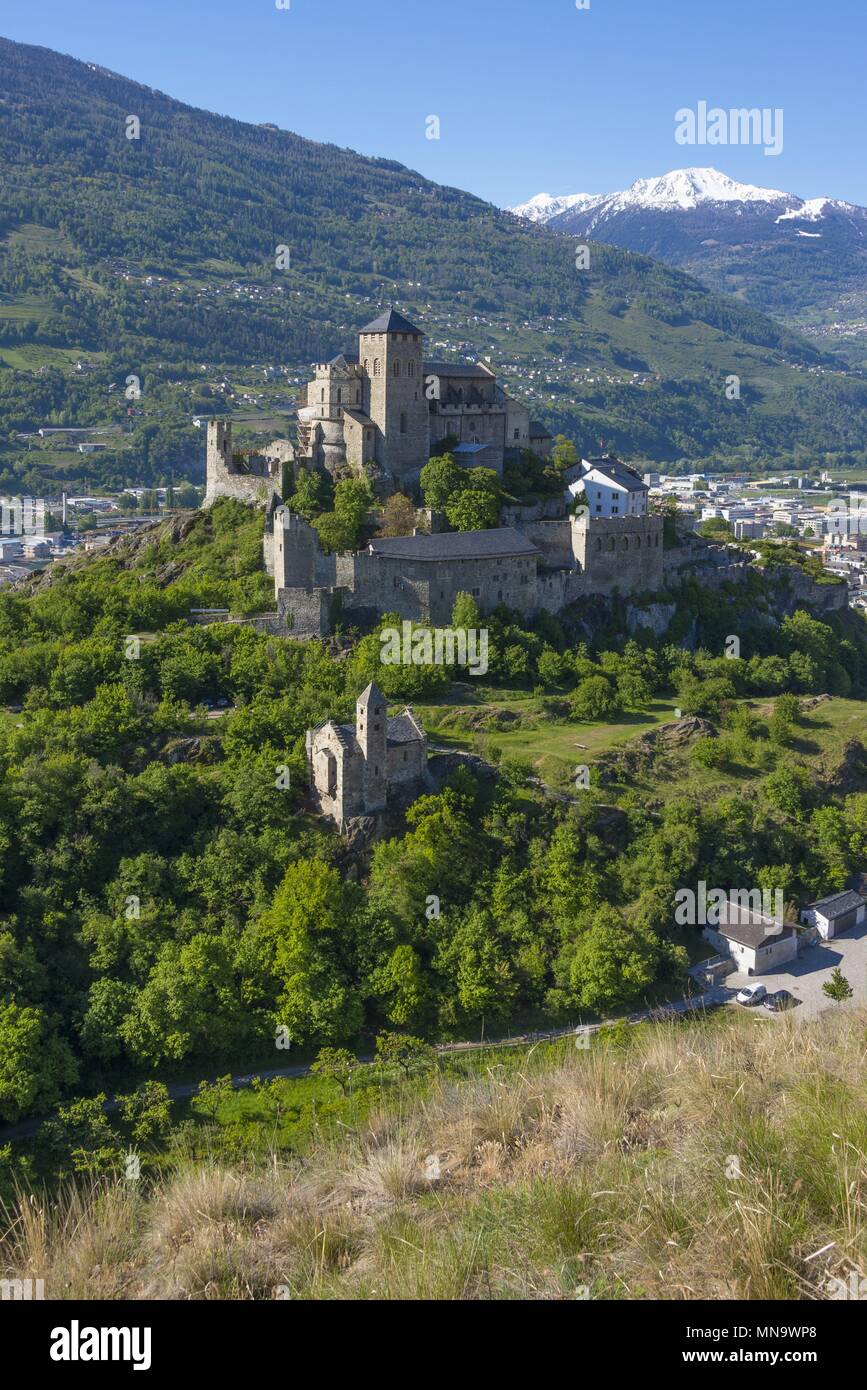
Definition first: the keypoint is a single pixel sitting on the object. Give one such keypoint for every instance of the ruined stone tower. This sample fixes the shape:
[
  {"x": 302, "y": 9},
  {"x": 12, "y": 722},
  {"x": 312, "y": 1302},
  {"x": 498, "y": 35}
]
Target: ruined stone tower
[{"x": 250, "y": 477}]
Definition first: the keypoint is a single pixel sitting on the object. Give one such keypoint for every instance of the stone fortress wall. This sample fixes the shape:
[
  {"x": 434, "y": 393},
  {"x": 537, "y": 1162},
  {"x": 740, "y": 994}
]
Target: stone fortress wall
[{"x": 573, "y": 557}]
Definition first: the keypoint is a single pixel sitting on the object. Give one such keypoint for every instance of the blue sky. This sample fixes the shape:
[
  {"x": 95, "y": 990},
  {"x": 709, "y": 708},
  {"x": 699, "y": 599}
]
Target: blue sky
[{"x": 531, "y": 94}]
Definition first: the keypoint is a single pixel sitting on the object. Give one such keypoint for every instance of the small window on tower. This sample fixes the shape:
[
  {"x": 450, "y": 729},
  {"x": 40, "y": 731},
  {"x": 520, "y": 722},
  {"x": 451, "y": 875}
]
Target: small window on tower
[
  {"x": 396, "y": 369},
  {"x": 376, "y": 371},
  {"x": 410, "y": 368},
  {"x": 403, "y": 422}
]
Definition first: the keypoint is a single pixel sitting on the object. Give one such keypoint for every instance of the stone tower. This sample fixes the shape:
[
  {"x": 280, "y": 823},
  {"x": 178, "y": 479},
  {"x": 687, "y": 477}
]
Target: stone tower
[
  {"x": 371, "y": 732},
  {"x": 218, "y": 464},
  {"x": 391, "y": 357},
  {"x": 295, "y": 551},
  {"x": 247, "y": 476}
]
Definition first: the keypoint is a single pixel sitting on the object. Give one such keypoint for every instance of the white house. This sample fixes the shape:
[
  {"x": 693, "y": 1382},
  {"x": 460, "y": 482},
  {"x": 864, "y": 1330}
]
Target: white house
[
  {"x": 755, "y": 941},
  {"x": 835, "y": 914},
  {"x": 611, "y": 488}
]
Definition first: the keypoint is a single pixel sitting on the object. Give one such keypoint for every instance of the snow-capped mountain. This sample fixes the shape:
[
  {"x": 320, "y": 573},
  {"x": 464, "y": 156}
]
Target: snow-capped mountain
[
  {"x": 543, "y": 207},
  {"x": 681, "y": 190},
  {"x": 800, "y": 259}
]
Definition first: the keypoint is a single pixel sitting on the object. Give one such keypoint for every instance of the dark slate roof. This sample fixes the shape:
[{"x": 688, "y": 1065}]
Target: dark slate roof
[
  {"x": 458, "y": 545},
  {"x": 371, "y": 695},
  {"x": 750, "y": 928},
  {"x": 619, "y": 473},
  {"x": 345, "y": 732},
  {"x": 391, "y": 322},
  {"x": 473, "y": 369},
  {"x": 837, "y": 904},
  {"x": 357, "y": 415},
  {"x": 344, "y": 359},
  {"x": 538, "y": 430},
  {"x": 402, "y": 728}
]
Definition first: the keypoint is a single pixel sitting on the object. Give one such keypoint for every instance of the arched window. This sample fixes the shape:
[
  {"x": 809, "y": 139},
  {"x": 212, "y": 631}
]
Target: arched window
[
  {"x": 610, "y": 545},
  {"x": 396, "y": 369},
  {"x": 410, "y": 369},
  {"x": 376, "y": 371},
  {"x": 322, "y": 396},
  {"x": 367, "y": 366},
  {"x": 598, "y": 542},
  {"x": 625, "y": 543},
  {"x": 637, "y": 542}
]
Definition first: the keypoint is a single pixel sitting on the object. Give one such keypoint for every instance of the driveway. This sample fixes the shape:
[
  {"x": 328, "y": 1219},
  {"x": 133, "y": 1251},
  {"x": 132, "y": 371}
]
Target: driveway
[{"x": 805, "y": 976}]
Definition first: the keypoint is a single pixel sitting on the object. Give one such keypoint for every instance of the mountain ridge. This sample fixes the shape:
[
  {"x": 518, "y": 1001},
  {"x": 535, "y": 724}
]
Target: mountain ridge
[{"x": 737, "y": 239}]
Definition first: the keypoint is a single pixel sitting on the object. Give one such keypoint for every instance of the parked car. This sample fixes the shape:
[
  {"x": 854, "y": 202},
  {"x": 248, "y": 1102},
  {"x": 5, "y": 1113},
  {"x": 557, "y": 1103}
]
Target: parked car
[
  {"x": 751, "y": 994},
  {"x": 780, "y": 1001}
]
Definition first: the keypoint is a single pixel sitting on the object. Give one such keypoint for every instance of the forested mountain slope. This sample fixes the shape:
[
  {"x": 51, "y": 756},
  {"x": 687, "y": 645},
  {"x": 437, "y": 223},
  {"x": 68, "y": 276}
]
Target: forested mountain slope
[{"x": 157, "y": 256}]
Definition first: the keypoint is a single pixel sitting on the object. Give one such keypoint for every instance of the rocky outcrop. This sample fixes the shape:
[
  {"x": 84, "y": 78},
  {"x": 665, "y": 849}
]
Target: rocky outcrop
[
  {"x": 850, "y": 773},
  {"x": 653, "y": 617},
  {"x": 677, "y": 734},
  {"x": 638, "y": 755}
]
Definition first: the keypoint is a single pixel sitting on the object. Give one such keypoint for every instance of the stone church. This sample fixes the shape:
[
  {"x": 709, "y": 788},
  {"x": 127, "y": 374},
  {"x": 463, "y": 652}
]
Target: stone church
[
  {"x": 357, "y": 771},
  {"x": 385, "y": 407}
]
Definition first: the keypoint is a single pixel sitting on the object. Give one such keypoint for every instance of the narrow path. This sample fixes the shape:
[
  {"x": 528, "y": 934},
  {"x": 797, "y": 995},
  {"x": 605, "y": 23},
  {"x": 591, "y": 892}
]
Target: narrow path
[{"x": 183, "y": 1090}]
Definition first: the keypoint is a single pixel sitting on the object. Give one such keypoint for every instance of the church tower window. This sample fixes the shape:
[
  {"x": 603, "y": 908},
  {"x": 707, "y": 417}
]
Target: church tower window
[
  {"x": 396, "y": 369},
  {"x": 376, "y": 366},
  {"x": 403, "y": 422}
]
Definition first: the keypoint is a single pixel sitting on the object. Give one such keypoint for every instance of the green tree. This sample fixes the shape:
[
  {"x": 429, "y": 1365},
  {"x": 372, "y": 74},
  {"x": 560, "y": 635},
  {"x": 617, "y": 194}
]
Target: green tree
[
  {"x": 465, "y": 612},
  {"x": 440, "y": 480},
  {"x": 36, "y": 1066},
  {"x": 838, "y": 987},
  {"x": 404, "y": 1051},
  {"x": 612, "y": 963},
  {"x": 335, "y": 1064},
  {"x": 474, "y": 509},
  {"x": 594, "y": 699},
  {"x": 148, "y": 1111},
  {"x": 298, "y": 954}
]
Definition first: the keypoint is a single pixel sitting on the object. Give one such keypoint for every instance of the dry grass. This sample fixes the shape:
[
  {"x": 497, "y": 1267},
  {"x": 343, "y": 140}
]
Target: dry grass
[{"x": 700, "y": 1162}]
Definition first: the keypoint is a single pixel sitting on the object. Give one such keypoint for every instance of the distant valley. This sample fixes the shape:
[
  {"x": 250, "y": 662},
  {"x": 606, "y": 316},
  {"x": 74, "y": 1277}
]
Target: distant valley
[{"x": 802, "y": 260}]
